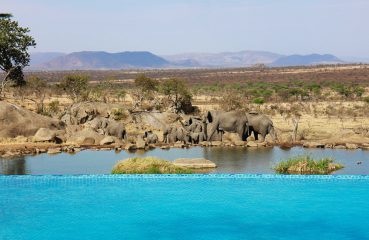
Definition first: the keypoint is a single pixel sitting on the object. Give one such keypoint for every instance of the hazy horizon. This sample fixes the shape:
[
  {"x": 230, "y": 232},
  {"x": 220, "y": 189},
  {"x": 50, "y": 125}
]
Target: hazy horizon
[{"x": 166, "y": 27}]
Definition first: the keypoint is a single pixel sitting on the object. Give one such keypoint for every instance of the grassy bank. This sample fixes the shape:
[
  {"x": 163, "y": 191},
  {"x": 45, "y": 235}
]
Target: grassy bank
[
  {"x": 307, "y": 165},
  {"x": 148, "y": 165}
]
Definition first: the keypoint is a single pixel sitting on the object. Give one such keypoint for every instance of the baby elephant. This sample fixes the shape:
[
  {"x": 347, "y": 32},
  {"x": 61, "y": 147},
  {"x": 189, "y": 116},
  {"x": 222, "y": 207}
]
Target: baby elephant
[{"x": 150, "y": 137}]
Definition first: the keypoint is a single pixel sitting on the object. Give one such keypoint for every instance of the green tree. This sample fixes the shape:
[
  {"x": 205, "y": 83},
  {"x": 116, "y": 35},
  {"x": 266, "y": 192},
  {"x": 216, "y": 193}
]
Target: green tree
[
  {"x": 144, "y": 90},
  {"x": 177, "y": 94},
  {"x": 14, "y": 56},
  {"x": 76, "y": 86},
  {"x": 146, "y": 84}
]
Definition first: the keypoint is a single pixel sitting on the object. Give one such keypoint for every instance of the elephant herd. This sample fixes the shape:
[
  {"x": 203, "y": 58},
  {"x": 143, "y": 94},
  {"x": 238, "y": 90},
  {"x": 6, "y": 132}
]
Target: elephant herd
[{"x": 211, "y": 127}]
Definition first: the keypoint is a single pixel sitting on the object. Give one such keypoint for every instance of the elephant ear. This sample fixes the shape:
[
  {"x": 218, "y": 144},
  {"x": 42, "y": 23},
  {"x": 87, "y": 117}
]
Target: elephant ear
[{"x": 209, "y": 117}]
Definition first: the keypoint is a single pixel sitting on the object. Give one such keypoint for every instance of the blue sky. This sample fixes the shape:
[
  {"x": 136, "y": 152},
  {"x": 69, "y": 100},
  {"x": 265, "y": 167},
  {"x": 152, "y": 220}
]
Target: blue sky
[{"x": 339, "y": 27}]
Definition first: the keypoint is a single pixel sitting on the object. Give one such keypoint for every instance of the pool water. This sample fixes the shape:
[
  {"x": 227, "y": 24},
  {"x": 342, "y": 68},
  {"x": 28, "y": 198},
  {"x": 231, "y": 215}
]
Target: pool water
[
  {"x": 184, "y": 207},
  {"x": 229, "y": 160}
]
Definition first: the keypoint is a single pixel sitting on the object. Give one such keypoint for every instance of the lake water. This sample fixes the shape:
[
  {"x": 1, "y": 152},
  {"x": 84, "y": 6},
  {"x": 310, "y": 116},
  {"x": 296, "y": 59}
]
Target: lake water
[{"x": 229, "y": 160}]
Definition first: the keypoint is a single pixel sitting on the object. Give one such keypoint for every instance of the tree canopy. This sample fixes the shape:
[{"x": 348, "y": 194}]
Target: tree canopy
[{"x": 14, "y": 44}]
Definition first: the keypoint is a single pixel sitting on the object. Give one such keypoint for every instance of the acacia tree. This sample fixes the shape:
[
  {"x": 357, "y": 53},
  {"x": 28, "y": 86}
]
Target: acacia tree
[
  {"x": 177, "y": 94},
  {"x": 145, "y": 88},
  {"x": 14, "y": 56},
  {"x": 75, "y": 86}
]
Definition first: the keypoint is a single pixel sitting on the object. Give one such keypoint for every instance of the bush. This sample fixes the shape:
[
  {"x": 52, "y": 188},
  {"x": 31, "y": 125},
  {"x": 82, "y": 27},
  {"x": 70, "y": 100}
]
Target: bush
[
  {"x": 119, "y": 114},
  {"x": 148, "y": 165},
  {"x": 258, "y": 101},
  {"x": 307, "y": 165},
  {"x": 54, "y": 106},
  {"x": 231, "y": 101}
]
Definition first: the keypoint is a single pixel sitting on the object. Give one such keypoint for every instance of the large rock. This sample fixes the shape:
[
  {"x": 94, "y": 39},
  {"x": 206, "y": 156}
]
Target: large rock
[
  {"x": 351, "y": 146},
  {"x": 47, "y": 135},
  {"x": 16, "y": 121},
  {"x": 54, "y": 150},
  {"x": 84, "y": 137},
  {"x": 140, "y": 143},
  {"x": 252, "y": 144},
  {"x": 194, "y": 163},
  {"x": 155, "y": 119},
  {"x": 313, "y": 145},
  {"x": 107, "y": 140},
  {"x": 216, "y": 143},
  {"x": 130, "y": 147}
]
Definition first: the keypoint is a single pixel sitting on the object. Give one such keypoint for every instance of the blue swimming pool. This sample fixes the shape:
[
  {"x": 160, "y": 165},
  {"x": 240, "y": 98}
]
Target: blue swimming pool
[{"x": 184, "y": 207}]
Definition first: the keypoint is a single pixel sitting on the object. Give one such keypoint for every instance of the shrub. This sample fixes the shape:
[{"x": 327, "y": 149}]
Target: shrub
[
  {"x": 231, "y": 101},
  {"x": 54, "y": 106},
  {"x": 119, "y": 114},
  {"x": 258, "y": 101},
  {"x": 148, "y": 165},
  {"x": 305, "y": 164}
]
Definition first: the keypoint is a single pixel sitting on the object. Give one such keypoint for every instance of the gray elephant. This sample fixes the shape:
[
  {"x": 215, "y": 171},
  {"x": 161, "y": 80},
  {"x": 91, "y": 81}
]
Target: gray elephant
[
  {"x": 194, "y": 124},
  {"x": 260, "y": 124},
  {"x": 235, "y": 122},
  {"x": 197, "y": 129},
  {"x": 169, "y": 134},
  {"x": 150, "y": 137},
  {"x": 98, "y": 123},
  {"x": 174, "y": 134},
  {"x": 116, "y": 129},
  {"x": 196, "y": 138}
]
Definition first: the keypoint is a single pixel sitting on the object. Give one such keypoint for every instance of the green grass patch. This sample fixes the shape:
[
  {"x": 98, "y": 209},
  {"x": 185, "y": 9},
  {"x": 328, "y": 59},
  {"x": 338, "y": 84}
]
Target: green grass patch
[
  {"x": 305, "y": 164},
  {"x": 148, "y": 165}
]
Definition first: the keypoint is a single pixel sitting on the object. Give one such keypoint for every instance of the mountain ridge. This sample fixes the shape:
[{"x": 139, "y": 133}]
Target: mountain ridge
[
  {"x": 88, "y": 60},
  {"x": 95, "y": 60}
]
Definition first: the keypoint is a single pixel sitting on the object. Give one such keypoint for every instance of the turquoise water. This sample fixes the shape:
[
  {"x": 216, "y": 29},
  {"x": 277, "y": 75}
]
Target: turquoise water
[
  {"x": 184, "y": 207},
  {"x": 229, "y": 160}
]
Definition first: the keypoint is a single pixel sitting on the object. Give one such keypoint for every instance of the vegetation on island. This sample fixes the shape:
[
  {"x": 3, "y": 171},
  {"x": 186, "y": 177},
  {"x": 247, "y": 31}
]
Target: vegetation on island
[
  {"x": 305, "y": 164},
  {"x": 148, "y": 165}
]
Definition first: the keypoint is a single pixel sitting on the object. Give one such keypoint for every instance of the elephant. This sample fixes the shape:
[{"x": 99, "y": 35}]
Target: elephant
[
  {"x": 98, "y": 123},
  {"x": 196, "y": 137},
  {"x": 151, "y": 138},
  {"x": 228, "y": 121},
  {"x": 169, "y": 134},
  {"x": 260, "y": 124},
  {"x": 197, "y": 129},
  {"x": 194, "y": 124},
  {"x": 108, "y": 127},
  {"x": 116, "y": 129},
  {"x": 173, "y": 134}
]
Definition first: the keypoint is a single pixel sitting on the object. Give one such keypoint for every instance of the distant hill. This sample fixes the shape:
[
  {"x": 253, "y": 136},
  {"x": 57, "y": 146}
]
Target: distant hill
[
  {"x": 91, "y": 60},
  {"x": 88, "y": 60},
  {"x": 305, "y": 60},
  {"x": 38, "y": 58},
  {"x": 225, "y": 59}
]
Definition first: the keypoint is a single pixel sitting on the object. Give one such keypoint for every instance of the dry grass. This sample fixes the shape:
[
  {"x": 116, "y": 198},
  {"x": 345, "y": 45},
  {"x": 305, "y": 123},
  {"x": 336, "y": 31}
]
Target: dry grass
[
  {"x": 148, "y": 165},
  {"x": 306, "y": 165}
]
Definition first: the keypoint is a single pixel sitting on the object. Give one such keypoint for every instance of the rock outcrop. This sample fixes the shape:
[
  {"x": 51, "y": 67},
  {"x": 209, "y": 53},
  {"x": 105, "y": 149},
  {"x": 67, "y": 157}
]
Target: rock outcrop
[
  {"x": 17, "y": 121},
  {"x": 196, "y": 163}
]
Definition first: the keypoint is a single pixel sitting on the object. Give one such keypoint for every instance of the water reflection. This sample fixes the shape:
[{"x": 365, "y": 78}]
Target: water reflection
[
  {"x": 13, "y": 166},
  {"x": 229, "y": 160}
]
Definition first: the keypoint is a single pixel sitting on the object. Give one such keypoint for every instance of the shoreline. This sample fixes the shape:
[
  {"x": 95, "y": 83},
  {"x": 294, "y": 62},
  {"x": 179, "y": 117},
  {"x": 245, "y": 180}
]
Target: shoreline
[{"x": 12, "y": 150}]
